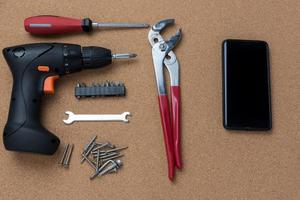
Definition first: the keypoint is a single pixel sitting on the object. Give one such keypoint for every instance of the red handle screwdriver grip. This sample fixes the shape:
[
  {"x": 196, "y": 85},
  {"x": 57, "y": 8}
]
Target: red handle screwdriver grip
[
  {"x": 46, "y": 25},
  {"x": 175, "y": 97},
  {"x": 167, "y": 130}
]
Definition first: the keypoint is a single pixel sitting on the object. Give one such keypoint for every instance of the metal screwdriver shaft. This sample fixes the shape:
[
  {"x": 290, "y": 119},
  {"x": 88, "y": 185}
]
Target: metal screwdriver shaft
[{"x": 119, "y": 25}]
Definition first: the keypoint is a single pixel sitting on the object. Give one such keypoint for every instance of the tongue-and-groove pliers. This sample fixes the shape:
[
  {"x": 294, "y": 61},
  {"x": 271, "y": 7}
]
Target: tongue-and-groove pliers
[{"x": 163, "y": 55}]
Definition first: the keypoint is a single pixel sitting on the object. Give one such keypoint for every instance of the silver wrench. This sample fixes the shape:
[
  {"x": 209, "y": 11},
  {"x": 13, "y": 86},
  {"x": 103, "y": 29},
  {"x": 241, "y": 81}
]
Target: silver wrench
[{"x": 105, "y": 117}]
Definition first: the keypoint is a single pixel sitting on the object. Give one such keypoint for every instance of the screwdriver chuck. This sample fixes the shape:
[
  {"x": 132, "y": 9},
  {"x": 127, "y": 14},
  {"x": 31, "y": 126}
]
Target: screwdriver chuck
[{"x": 95, "y": 57}]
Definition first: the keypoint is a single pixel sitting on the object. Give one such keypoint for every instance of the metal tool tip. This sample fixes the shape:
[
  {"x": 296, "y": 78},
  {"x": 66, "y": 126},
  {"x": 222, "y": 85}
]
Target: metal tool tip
[
  {"x": 178, "y": 33},
  {"x": 123, "y": 55},
  {"x": 162, "y": 24},
  {"x": 132, "y": 55}
]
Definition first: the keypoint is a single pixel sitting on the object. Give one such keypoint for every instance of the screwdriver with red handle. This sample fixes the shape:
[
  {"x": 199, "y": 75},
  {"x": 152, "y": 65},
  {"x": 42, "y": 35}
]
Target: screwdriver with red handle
[{"x": 48, "y": 25}]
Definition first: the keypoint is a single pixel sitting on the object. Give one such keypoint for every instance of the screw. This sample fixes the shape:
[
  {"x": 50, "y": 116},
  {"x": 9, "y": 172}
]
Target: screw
[
  {"x": 115, "y": 165},
  {"x": 101, "y": 155},
  {"x": 100, "y": 169}
]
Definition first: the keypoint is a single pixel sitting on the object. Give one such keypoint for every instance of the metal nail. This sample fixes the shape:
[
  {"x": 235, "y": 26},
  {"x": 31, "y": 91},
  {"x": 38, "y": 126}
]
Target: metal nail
[
  {"x": 109, "y": 155},
  {"x": 100, "y": 147},
  {"x": 89, "y": 161},
  {"x": 90, "y": 143},
  {"x": 107, "y": 144},
  {"x": 111, "y": 158},
  {"x": 106, "y": 155},
  {"x": 98, "y": 159},
  {"x": 96, "y": 153},
  {"x": 87, "y": 153},
  {"x": 116, "y": 149},
  {"x": 111, "y": 150}
]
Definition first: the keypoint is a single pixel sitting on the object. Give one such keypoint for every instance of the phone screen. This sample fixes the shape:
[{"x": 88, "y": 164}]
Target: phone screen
[{"x": 246, "y": 85}]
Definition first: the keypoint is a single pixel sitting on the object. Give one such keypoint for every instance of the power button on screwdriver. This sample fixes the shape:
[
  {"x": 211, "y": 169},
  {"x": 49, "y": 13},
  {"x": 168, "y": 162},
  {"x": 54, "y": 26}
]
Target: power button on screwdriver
[{"x": 19, "y": 52}]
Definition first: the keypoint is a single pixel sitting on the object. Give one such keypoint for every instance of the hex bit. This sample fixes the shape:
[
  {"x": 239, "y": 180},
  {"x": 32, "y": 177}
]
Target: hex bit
[
  {"x": 70, "y": 151},
  {"x": 64, "y": 155}
]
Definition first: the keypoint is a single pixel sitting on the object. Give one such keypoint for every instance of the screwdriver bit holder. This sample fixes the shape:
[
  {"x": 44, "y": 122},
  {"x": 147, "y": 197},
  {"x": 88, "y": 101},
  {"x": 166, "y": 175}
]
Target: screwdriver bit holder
[
  {"x": 103, "y": 89},
  {"x": 66, "y": 157}
]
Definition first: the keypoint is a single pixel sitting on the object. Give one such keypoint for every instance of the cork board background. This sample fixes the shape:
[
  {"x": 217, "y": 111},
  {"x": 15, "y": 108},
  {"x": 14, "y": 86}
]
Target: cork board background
[{"x": 218, "y": 164}]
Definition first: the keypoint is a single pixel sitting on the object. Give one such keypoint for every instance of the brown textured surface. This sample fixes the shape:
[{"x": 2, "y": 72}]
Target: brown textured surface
[{"x": 217, "y": 164}]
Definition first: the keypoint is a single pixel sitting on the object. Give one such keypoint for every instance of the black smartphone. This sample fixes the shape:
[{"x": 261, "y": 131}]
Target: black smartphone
[{"x": 246, "y": 85}]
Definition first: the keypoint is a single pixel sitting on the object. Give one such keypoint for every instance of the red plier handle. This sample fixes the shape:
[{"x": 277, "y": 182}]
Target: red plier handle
[
  {"x": 163, "y": 56},
  {"x": 175, "y": 97},
  {"x": 167, "y": 131}
]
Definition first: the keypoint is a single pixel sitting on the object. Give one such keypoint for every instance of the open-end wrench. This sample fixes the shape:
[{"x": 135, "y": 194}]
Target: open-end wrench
[{"x": 105, "y": 117}]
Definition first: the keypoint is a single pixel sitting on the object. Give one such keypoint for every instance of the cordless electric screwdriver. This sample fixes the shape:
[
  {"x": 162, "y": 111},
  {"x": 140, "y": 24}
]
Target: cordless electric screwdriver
[{"x": 35, "y": 67}]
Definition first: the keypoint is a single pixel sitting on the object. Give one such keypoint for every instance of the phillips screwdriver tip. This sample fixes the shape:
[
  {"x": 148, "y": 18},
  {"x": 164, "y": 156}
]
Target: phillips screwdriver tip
[
  {"x": 132, "y": 55},
  {"x": 123, "y": 55}
]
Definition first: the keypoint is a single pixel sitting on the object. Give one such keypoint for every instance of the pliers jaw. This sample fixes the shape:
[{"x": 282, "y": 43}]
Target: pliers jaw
[
  {"x": 163, "y": 55},
  {"x": 162, "y": 24},
  {"x": 154, "y": 34},
  {"x": 171, "y": 43}
]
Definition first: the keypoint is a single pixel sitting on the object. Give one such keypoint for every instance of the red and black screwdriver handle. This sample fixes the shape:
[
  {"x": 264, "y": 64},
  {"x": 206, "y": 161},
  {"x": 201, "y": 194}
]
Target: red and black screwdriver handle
[
  {"x": 48, "y": 24},
  {"x": 35, "y": 67}
]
